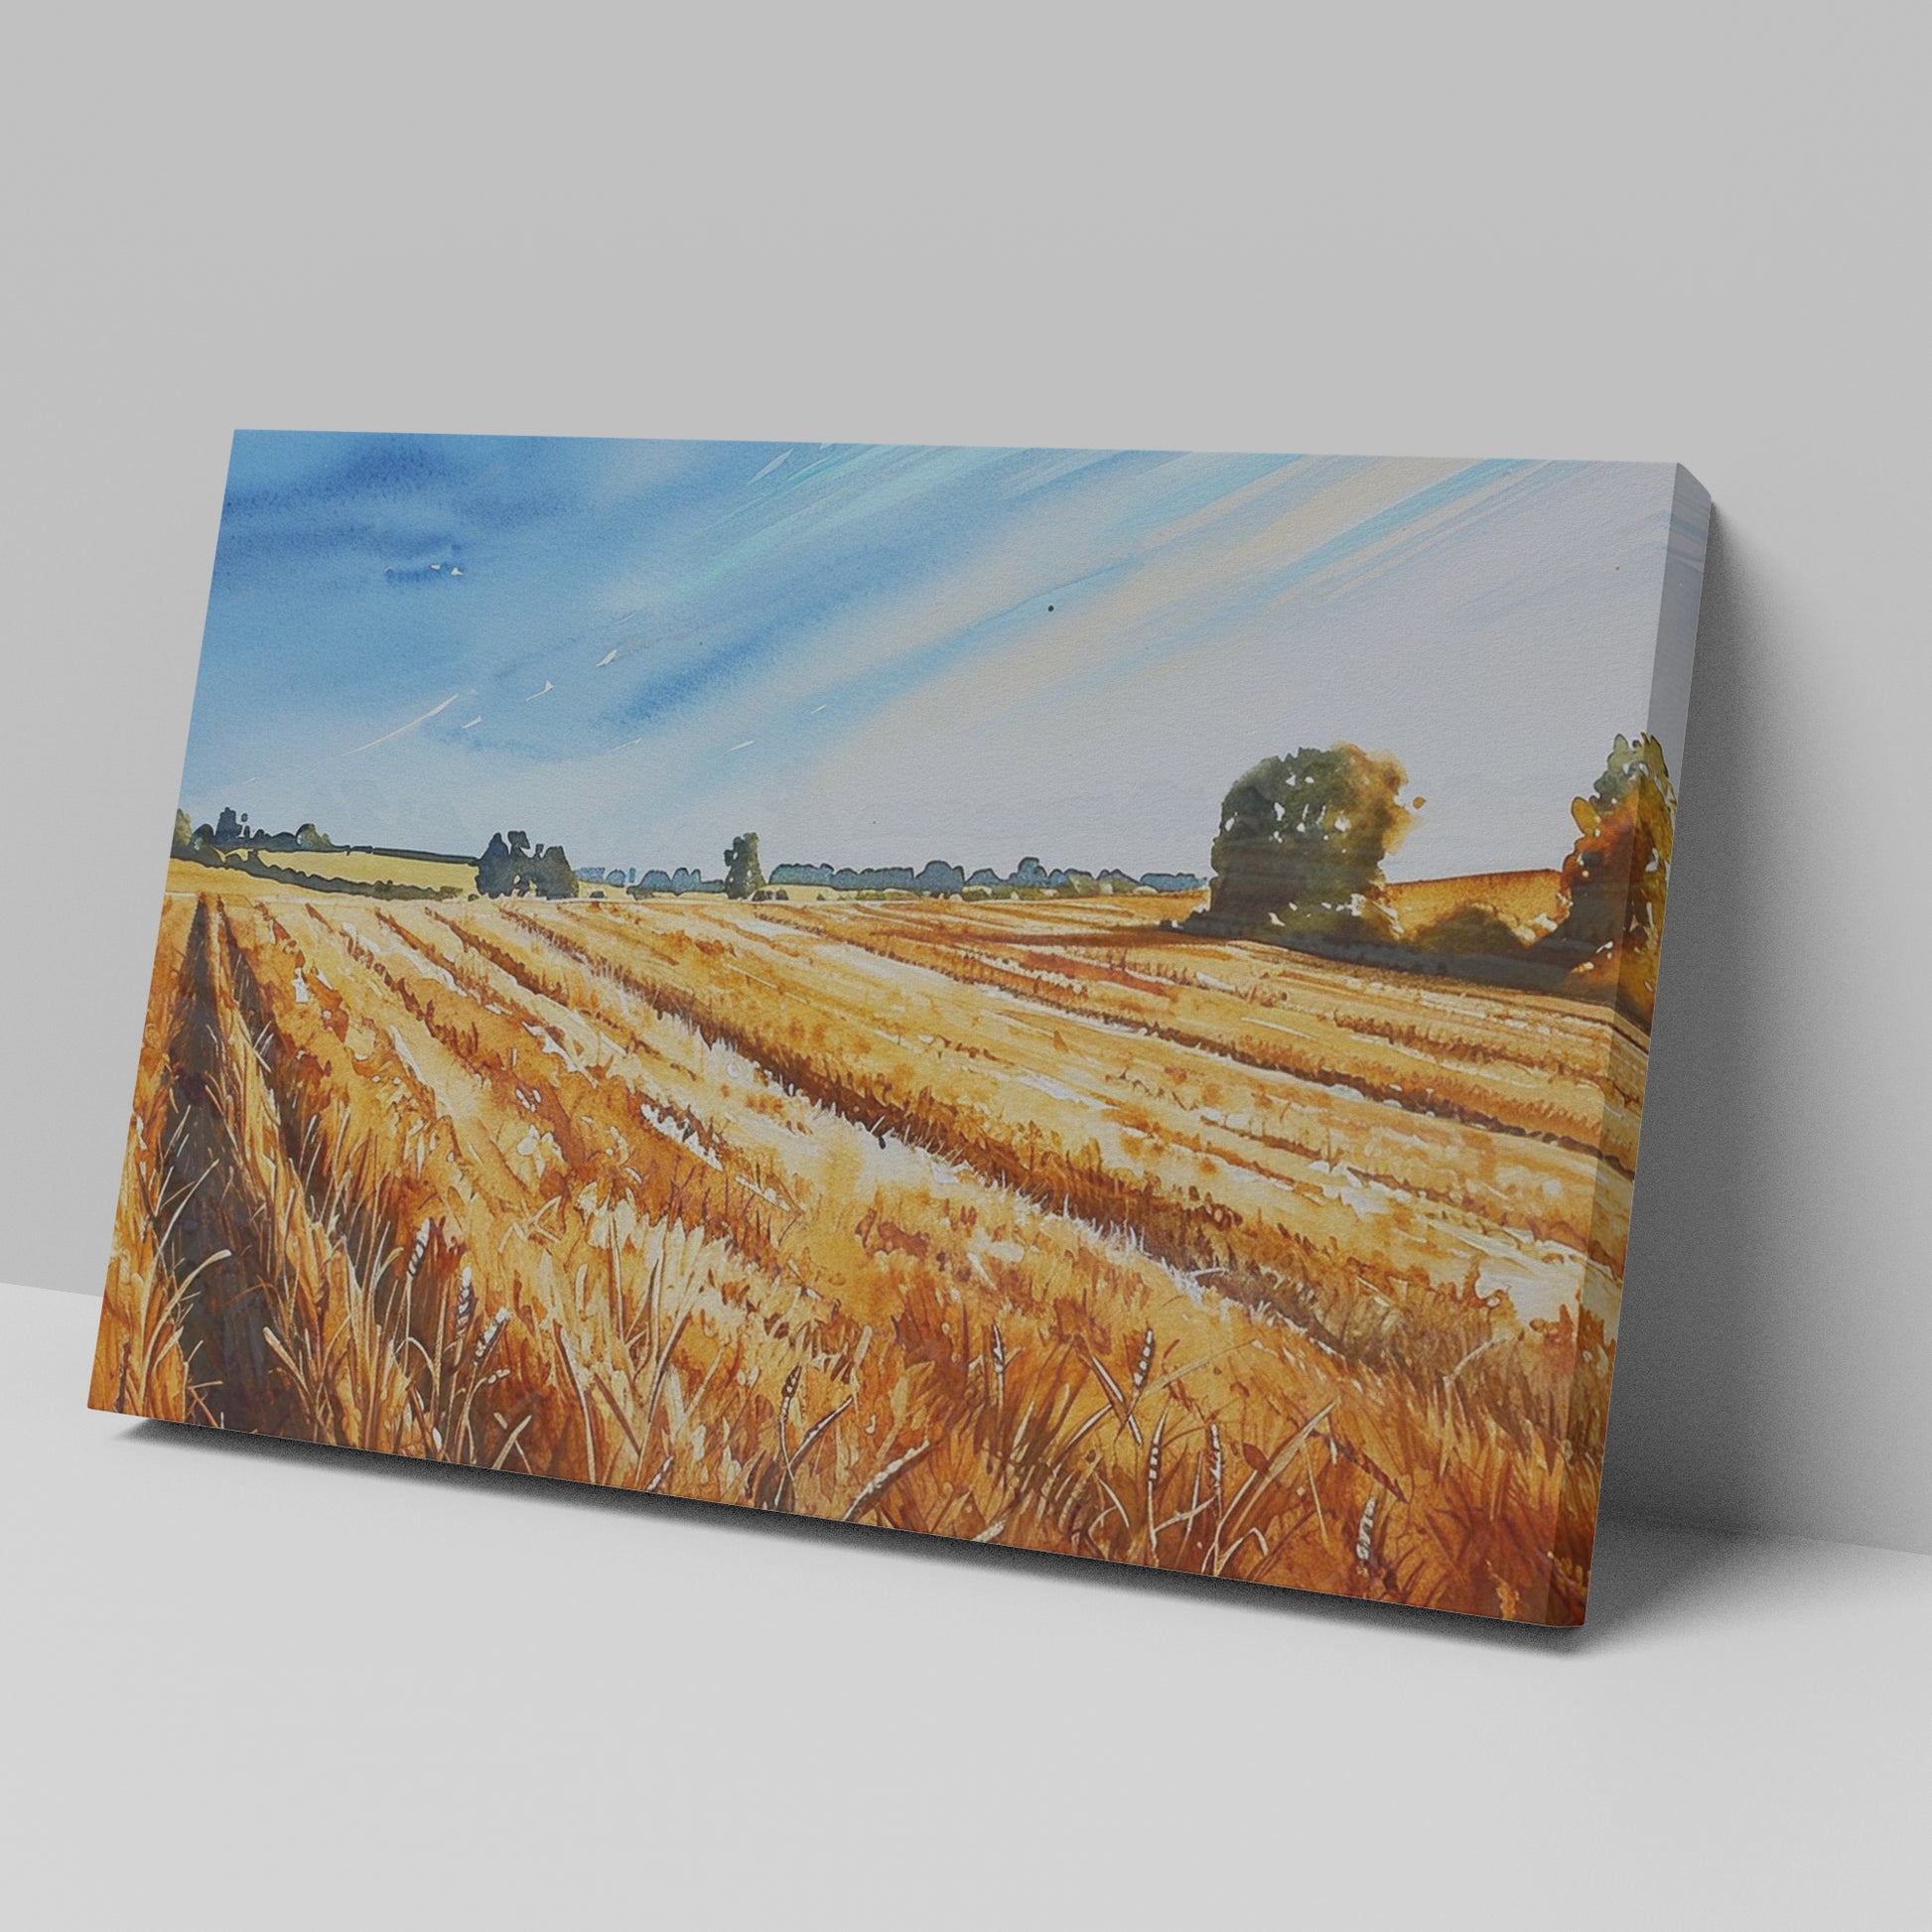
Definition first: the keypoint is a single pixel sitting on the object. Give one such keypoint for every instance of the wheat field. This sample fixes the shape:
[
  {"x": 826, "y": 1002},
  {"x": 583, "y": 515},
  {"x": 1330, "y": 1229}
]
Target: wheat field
[{"x": 1030, "y": 1222}]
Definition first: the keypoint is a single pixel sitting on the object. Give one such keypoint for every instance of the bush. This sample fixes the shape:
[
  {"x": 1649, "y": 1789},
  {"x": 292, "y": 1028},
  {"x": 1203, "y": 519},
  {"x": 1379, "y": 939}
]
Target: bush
[{"x": 1473, "y": 933}]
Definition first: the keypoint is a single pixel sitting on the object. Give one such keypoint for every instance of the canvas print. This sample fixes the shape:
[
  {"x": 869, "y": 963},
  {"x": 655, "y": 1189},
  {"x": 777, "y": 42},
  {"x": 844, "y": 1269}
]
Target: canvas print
[{"x": 1094, "y": 1001}]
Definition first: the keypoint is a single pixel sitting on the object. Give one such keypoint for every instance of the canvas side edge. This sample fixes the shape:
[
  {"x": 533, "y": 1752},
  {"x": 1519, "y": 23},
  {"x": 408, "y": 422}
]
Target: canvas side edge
[
  {"x": 163, "y": 987},
  {"x": 1680, "y": 600}
]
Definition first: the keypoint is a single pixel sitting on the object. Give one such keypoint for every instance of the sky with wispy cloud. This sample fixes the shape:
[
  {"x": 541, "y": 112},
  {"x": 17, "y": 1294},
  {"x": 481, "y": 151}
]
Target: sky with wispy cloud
[{"x": 880, "y": 655}]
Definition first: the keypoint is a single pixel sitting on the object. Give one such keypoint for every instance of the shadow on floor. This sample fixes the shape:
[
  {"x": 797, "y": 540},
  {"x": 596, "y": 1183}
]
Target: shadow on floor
[{"x": 1641, "y": 1571}]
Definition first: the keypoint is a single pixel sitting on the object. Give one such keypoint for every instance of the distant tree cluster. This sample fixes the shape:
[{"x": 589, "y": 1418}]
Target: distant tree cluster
[
  {"x": 234, "y": 846},
  {"x": 686, "y": 879},
  {"x": 942, "y": 878},
  {"x": 511, "y": 868},
  {"x": 745, "y": 878},
  {"x": 231, "y": 832}
]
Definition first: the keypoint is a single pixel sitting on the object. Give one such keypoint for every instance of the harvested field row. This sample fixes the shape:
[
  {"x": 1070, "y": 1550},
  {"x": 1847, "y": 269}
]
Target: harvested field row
[
  {"x": 1539, "y": 1065},
  {"x": 1285, "y": 1187},
  {"x": 675, "y": 1203}
]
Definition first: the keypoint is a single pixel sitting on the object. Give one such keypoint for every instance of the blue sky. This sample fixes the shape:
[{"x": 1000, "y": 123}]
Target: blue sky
[{"x": 876, "y": 655}]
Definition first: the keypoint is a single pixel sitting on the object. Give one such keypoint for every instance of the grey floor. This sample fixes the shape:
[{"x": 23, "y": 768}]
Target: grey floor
[{"x": 259, "y": 1681}]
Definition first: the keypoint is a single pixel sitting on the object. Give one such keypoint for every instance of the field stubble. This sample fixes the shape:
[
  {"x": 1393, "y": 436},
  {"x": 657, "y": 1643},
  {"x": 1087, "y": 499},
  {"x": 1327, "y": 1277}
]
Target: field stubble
[{"x": 1025, "y": 1223}]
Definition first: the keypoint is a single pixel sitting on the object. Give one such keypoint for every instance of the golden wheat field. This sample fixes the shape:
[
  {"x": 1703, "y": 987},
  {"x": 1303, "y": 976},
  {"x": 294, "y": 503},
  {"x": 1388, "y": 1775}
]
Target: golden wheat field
[{"x": 1035, "y": 1222}]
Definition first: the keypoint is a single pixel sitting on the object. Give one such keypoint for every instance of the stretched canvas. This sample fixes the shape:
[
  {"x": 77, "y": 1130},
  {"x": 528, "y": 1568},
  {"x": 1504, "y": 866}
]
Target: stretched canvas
[{"x": 1093, "y": 1001}]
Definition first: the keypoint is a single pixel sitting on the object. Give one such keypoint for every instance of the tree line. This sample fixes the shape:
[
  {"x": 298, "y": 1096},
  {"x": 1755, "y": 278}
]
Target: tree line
[
  {"x": 1298, "y": 860},
  {"x": 233, "y": 844},
  {"x": 231, "y": 832},
  {"x": 745, "y": 878}
]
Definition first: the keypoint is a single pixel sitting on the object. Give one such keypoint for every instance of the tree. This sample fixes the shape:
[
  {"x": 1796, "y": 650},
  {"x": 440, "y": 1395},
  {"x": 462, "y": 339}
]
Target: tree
[
  {"x": 1302, "y": 838},
  {"x": 231, "y": 828},
  {"x": 508, "y": 869},
  {"x": 743, "y": 876},
  {"x": 308, "y": 839},
  {"x": 548, "y": 874},
  {"x": 184, "y": 832},
  {"x": 1617, "y": 874},
  {"x": 496, "y": 870}
]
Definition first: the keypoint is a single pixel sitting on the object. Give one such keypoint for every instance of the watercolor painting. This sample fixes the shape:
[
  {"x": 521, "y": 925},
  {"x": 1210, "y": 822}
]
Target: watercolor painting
[{"x": 1090, "y": 1000}]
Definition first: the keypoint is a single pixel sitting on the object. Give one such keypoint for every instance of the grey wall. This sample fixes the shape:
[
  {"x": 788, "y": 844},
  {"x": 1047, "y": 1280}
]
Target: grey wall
[
  {"x": 1635, "y": 233},
  {"x": 1775, "y": 1359}
]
